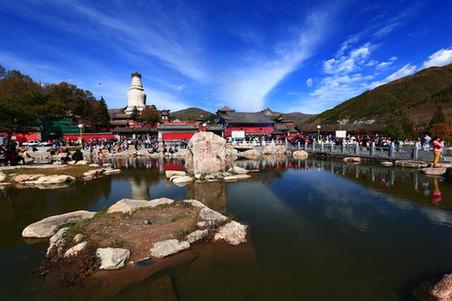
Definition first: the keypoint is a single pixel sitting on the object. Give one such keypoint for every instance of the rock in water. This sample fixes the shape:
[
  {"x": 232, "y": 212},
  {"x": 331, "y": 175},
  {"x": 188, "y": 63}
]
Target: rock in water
[
  {"x": 128, "y": 206},
  {"x": 170, "y": 173},
  {"x": 112, "y": 258},
  {"x": 443, "y": 289},
  {"x": 207, "y": 153},
  {"x": 168, "y": 247},
  {"x": 300, "y": 154},
  {"x": 234, "y": 233},
  {"x": 49, "y": 226}
]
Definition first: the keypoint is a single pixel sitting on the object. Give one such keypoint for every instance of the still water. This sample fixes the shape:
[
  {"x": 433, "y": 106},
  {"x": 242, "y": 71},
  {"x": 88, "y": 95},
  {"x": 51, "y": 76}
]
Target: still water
[{"x": 318, "y": 230}]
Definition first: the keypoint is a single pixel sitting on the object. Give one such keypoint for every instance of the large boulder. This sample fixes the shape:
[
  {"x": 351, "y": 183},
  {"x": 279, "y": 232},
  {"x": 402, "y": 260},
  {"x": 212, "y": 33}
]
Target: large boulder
[
  {"x": 55, "y": 179},
  {"x": 112, "y": 258},
  {"x": 300, "y": 154},
  {"x": 206, "y": 153},
  {"x": 168, "y": 247},
  {"x": 234, "y": 233},
  {"x": 128, "y": 206},
  {"x": 49, "y": 226}
]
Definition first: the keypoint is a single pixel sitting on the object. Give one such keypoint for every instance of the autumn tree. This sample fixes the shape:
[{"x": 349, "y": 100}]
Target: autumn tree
[{"x": 150, "y": 115}]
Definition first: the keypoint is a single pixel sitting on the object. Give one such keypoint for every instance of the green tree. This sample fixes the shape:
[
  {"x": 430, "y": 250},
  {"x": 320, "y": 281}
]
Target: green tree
[
  {"x": 100, "y": 112},
  {"x": 2, "y": 72},
  {"x": 401, "y": 126},
  {"x": 150, "y": 115},
  {"x": 135, "y": 114},
  {"x": 437, "y": 118},
  {"x": 16, "y": 116}
]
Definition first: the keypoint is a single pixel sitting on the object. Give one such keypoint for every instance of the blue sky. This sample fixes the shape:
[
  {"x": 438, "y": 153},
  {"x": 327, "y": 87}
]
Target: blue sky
[{"x": 305, "y": 56}]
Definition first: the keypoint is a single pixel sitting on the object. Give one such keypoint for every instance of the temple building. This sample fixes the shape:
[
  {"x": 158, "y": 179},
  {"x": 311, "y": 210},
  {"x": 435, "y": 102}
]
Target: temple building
[
  {"x": 242, "y": 125},
  {"x": 136, "y": 97}
]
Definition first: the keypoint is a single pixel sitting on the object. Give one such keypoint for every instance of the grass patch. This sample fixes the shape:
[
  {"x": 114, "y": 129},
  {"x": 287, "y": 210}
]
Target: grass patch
[
  {"x": 102, "y": 212},
  {"x": 111, "y": 224},
  {"x": 183, "y": 233},
  {"x": 117, "y": 243},
  {"x": 178, "y": 218},
  {"x": 74, "y": 229}
]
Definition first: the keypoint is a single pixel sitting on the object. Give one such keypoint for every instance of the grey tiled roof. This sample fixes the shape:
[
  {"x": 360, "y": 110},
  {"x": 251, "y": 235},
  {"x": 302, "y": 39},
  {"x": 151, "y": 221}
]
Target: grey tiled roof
[
  {"x": 178, "y": 126},
  {"x": 242, "y": 117}
]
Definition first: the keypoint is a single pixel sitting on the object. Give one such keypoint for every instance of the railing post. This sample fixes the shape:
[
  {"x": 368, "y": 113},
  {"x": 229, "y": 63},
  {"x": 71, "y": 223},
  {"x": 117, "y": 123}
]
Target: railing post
[
  {"x": 343, "y": 148},
  {"x": 313, "y": 146},
  {"x": 357, "y": 148},
  {"x": 298, "y": 145},
  {"x": 321, "y": 147},
  {"x": 391, "y": 150},
  {"x": 372, "y": 149},
  {"x": 286, "y": 143},
  {"x": 331, "y": 147},
  {"x": 305, "y": 145},
  {"x": 415, "y": 151}
]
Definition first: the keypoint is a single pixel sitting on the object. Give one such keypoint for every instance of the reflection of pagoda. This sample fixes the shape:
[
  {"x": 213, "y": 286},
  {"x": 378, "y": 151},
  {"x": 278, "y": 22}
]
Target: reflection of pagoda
[
  {"x": 136, "y": 96},
  {"x": 139, "y": 189}
]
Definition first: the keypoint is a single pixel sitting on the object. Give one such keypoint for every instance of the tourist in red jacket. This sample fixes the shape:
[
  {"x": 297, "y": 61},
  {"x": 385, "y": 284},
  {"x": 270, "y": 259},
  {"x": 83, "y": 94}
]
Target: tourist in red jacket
[{"x": 437, "y": 149}]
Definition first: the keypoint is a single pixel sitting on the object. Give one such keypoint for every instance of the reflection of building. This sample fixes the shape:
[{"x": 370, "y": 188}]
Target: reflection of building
[{"x": 136, "y": 96}]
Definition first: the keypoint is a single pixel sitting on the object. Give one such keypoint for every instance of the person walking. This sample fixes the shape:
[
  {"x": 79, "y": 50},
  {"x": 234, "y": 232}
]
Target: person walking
[
  {"x": 426, "y": 144},
  {"x": 437, "y": 149}
]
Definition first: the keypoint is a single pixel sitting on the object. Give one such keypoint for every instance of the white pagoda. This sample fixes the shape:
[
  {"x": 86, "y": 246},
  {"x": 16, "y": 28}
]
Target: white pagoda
[{"x": 136, "y": 96}]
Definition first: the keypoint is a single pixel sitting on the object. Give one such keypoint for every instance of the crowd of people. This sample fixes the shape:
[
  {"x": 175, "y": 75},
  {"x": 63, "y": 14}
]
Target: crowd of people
[{"x": 10, "y": 154}]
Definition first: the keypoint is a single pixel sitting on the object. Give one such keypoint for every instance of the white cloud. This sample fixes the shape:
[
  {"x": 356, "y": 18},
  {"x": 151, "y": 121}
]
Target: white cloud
[
  {"x": 169, "y": 40},
  {"x": 309, "y": 82},
  {"x": 406, "y": 70},
  {"x": 247, "y": 88},
  {"x": 347, "y": 64},
  {"x": 440, "y": 58},
  {"x": 388, "y": 63},
  {"x": 164, "y": 100}
]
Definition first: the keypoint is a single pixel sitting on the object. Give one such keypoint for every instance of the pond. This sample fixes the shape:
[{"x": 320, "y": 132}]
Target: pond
[{"x": 318, "y": 230}]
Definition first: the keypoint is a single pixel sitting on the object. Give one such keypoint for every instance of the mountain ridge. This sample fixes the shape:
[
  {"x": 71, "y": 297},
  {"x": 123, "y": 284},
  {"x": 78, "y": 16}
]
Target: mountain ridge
[{"x": 416, "y": 96}]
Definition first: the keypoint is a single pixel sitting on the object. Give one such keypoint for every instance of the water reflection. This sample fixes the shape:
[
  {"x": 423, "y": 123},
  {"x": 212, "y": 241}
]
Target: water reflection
[
  {"x": 213, "y": 194},
  {"x": 361, "y": 231}
]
